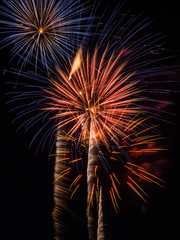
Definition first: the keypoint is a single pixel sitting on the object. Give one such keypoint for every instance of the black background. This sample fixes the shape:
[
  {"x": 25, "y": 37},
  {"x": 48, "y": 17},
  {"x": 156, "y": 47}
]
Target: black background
[{"x": 27, "y": 192}]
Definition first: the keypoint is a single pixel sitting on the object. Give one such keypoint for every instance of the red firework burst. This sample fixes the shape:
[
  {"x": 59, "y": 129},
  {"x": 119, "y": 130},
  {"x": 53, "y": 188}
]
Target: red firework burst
[{"x": 96, "y": 92}]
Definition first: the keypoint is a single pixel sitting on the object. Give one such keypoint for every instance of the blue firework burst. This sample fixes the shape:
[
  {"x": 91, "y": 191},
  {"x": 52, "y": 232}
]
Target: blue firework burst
[{"x": 44, "y": 30}]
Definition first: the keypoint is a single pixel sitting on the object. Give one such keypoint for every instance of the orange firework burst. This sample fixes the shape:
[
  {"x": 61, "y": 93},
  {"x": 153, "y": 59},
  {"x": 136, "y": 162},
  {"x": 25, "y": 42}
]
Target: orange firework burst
[
  {"x": 99, "y": 103},
  {"x": 97, "y": 92}
]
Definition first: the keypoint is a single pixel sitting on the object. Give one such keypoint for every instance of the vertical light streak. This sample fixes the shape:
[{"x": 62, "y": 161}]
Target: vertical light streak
[
  {"x": 61, "y": 192},
  {"x": 112, "y": 199},
  {"x": 115, "y": 188},
  {"x": 93, "y": 160},
  {"x": 100, "y": 230},
  {"x": 95, "y": 171}
]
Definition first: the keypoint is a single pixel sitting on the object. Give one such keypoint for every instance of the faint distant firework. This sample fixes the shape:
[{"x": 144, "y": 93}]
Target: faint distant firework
[{"x": 42, "y": 31}]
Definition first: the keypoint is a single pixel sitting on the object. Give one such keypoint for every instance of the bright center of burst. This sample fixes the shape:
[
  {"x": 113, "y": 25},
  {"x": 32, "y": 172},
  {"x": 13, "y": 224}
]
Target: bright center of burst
[
  {"x": 91, "y": 109},
  {"x": 41, "y": 30}
]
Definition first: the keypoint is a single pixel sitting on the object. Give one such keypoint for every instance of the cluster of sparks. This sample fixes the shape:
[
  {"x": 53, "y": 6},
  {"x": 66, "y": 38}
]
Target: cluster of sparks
[
  {"x": 100, "y": 94},
  {"x": 97, "y": 92},
  {"x": 134, "y": 172},
  {"x": 114, "y": 192}
]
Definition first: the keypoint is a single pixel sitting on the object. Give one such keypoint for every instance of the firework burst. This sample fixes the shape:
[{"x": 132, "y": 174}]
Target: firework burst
[
  {"x": 103, "y": 108},
  {"x": 43, "y": 30},
  {"x": 101, "y": 105},
  {"x": 97, "y": 94}
]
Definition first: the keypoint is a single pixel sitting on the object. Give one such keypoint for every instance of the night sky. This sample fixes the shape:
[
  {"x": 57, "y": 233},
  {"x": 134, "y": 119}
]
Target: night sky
[{"x": 26, "y": 184}]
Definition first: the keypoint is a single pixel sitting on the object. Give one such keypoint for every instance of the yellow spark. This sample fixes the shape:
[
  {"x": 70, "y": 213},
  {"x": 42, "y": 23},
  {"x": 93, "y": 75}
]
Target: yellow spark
[
  {"x": 95, "y": 170},
  {"x": 127, "y": 136},
  {"x": 145, "y": 177},
  {"x": 65, "y": 137},
  {"x": 147, "y": 141},
  {"x": 64, "y": 172},
  {"x": 114, "y": 185},
  {"x": 143, "y": 120},
  {"x": 75, "y": 181},
  {"x": 136, "y": 191},
  {"x": 62, "y": 159},
  {"x": 134, "y": 165},
  {"x": 151, "y": 150},
  {"x": 114, "y": 158},
  {"x": 112, "y": 199},
  {"x": 92, "y": 193},
  {"x": 146, "y": 137},
  {"x": 91, "y": 198},
  {"x": 151, "y": 180},
  {"x": 142, "y": 170},
  {"x": 115, "y": 199},
  {"x": 131, "y": 121},
  {"x": 134, "y": 172},
  {"x": 117, "y": 192},
  {"x": 75, "y": 160},
  {"x": 74, "y": 191},
  {"x": 83, "y": 145},
  {"x": 70, "y": 136},
  {"x": 148, "y": 129},
  {"x": 116, "y": 178},
  {"x": 138, "y": 186},
  {"x": 97, "y": 183},
  {"x": 57, "y": 154},
  {"x": 63, "y": 151},
  {"x": 124, "y": 111},
  {"x": 144, "y": 151},
  {"x": 123, "y": 146}
]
